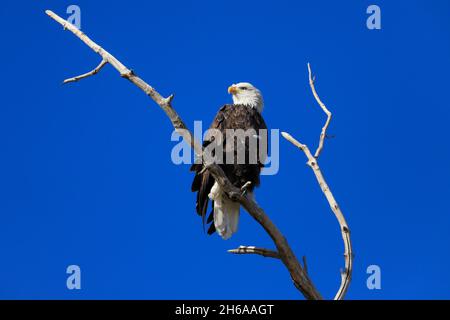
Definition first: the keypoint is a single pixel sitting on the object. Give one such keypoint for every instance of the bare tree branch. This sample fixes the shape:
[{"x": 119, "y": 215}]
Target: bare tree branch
[
  {"x": 346, "y": 274},
  {"x": 87, "y": 74},
  {"x": 301, "y": 280},
  {"x": 254, "y": 250}
]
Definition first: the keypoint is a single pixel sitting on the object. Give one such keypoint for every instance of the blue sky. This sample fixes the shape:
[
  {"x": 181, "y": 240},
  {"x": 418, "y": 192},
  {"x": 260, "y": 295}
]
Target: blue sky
[{"x": 86, "y": 176}]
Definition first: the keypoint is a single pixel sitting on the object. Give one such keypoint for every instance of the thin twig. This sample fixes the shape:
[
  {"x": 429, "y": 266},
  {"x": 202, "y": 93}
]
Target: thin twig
[
  {"x": 301, "y": 280},
  {"x": 323, "y": 134},
  {"x": 254, "y": 250},
  {"x": 87, "y": 74}
]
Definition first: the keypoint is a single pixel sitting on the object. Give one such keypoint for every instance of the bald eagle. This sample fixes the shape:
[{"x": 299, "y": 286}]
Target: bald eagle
[{"x": 244, "y": 114}]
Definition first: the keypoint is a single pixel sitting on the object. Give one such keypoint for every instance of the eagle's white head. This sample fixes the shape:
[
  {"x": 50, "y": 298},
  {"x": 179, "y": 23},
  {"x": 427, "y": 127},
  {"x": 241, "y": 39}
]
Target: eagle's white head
[{"x": 245, "y": 93}]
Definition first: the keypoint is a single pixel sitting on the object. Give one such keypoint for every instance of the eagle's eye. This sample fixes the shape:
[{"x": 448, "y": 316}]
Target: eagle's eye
[{"x": 243, "y": 88}]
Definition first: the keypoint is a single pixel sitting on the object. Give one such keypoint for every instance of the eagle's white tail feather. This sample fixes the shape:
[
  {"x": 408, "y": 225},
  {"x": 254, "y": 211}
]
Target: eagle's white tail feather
[{"x": 226, "y": 213}]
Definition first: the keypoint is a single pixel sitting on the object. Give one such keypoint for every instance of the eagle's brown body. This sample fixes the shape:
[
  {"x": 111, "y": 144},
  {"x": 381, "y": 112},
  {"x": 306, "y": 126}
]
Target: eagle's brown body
[{"x": 230, "y": 116}]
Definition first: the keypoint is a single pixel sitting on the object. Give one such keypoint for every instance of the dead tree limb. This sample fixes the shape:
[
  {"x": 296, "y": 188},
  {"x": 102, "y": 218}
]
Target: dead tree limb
[
  {"x": 346, "y": 274},
  {"x": 300, "y": 278}
]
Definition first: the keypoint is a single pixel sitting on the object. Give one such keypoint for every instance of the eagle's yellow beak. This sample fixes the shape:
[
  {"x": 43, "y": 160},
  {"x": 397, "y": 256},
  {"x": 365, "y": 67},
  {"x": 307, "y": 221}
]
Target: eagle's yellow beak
[{"x": 232, "y": 89}]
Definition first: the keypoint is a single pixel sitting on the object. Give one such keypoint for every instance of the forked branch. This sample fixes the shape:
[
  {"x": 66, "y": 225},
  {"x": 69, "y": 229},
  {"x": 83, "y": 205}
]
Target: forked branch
[{"x": 346, "y": 274}]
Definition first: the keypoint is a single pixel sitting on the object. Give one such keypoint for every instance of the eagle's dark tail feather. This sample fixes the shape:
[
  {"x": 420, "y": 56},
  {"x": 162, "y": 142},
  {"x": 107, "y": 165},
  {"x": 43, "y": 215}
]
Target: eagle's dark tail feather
[{"x": 202, "y": 184}]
